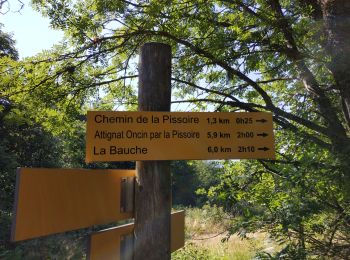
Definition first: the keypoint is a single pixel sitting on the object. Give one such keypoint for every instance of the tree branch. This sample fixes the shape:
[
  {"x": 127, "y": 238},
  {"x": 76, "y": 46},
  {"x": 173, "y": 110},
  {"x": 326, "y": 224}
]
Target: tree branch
[{"x": 336, "y": 132}]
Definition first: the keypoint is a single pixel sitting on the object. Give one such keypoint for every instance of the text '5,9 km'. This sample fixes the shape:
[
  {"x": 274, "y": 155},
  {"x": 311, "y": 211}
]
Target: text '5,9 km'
[{"x": 128, "y": 136}]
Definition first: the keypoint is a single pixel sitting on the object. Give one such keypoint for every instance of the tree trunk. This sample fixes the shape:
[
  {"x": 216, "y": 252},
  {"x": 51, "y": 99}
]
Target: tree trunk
[{"x": 336, "y": 16}]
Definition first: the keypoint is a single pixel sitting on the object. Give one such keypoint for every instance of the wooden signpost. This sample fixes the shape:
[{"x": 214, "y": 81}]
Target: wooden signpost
[
  {"x": 153, "y": 178},
  {"x": 50, "y": 201},
  {"x": 128, "y": 136}
]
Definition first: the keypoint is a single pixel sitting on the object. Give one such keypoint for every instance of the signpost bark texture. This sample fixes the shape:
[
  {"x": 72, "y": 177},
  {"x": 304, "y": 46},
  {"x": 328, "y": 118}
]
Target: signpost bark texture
[{"x": 153, "y": 184}]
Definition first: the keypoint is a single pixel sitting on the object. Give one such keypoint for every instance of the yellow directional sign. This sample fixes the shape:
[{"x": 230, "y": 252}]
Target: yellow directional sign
[
  {"x": 110, "y": 243},
  {"x": 50, "y": 201},
  {"x": 125, "y": 136},
  {"x": 177, "y": 230},
  {"x": 106, "y": 244}
]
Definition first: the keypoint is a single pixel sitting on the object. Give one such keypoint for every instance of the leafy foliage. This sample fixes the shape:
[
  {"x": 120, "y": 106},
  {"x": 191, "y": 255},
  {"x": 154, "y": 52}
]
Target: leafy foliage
[{"x": 191, "y": 180}]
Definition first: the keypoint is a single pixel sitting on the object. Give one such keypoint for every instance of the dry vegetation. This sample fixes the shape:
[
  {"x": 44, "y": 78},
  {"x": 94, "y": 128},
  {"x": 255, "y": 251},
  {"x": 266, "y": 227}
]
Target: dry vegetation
[{"x": 206, "y": 238}]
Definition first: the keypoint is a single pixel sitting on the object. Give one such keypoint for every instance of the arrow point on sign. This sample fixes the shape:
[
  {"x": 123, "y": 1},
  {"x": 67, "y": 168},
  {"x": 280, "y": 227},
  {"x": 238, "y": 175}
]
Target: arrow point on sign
[
  {"x": 263, "y": 149},
  {"x": 261, "y": 120}
]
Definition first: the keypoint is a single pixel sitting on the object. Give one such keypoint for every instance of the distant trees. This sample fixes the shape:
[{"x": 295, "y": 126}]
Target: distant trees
[
  {"x": 192, "y": 179},
  {"x": 7, "y": 45}
]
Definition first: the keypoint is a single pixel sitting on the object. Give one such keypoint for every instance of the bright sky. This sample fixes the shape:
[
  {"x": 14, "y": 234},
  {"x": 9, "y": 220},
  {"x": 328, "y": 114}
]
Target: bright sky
[{"x": 31, "y": 31}]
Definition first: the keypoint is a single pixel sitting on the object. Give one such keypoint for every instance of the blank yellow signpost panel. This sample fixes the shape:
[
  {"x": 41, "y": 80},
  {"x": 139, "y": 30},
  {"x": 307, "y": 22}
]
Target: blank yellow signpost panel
[
  {"x": 177, "y": 235},
  {"x": 106, "y": 244},
  {"x": 50, "y": 201},
  {"x": 127, "y": 136}
]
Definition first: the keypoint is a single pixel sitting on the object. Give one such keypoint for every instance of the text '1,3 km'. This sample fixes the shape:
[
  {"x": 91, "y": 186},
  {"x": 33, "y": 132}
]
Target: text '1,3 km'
[{"x": 128, "y": 136}]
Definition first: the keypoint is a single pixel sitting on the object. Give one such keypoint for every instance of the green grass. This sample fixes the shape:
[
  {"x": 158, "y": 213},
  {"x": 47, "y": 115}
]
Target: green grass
[{"x": 205, "y": 232}]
